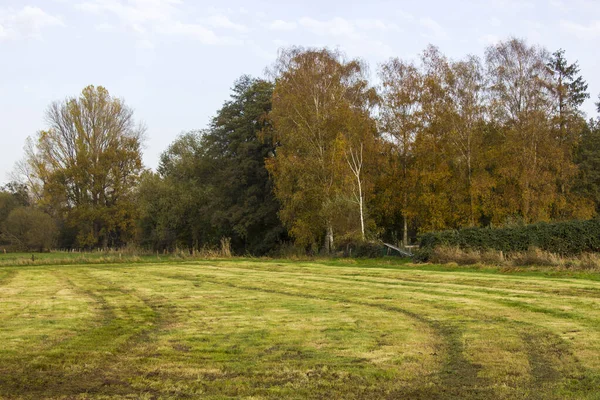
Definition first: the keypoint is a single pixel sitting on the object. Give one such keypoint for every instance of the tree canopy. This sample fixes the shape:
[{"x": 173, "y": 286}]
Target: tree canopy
[
  {"x": 85, "y": 165},
  {"x": 317, "y": 155},
  {"x": 324, "y": 132},
  {"x": 214, "y": 183}
]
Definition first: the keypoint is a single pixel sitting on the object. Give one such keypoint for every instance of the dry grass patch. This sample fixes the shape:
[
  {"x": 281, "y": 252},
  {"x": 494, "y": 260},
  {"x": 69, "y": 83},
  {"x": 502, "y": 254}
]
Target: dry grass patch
[{"x": 533, "y": 257}]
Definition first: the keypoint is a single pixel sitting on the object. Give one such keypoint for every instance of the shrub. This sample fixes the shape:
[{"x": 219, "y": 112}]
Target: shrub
[
  {"x": 360, "y": 248},
  {"x": 30, "y": 229},
  {"x": 563, "y": 238},
  {"x": 447, "y": 254},
  {"x": 423, "y": 254}
]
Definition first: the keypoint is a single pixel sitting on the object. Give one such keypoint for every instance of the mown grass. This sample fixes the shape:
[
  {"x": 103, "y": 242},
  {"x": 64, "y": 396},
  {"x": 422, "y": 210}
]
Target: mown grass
[{"x": 245, "y": 328}]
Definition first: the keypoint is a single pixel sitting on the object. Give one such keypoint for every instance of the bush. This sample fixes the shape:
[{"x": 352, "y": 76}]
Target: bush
[
  {"x": 30, "y": 229},
  {"x": 447, "y": 254},
  {"x": 562, "y": 238},
  {"x": 360, "y": 248}
]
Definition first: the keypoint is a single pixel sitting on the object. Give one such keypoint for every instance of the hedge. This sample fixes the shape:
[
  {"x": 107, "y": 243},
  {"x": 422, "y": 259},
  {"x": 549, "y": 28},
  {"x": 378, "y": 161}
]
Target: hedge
[{"x": 564, "y": 238}]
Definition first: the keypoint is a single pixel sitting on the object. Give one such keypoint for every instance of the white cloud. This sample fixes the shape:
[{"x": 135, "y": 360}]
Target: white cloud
[
  {"x": 342, "y": 27},
  {"x": 280, "y": 25},
  {"x": 221, "y": 21},
  {"x": 28, "y": 22},
  {"x": 334, "y": 27},
  {"x": 198, "y": 32},
  {"x": 489, "y": 39},
  {"x": 590, "y": 31},
  {"x": 145, "y": 44},
  {"x": 560, "y": 5},
  {"x": 146, "y": 18},
  {"x": 355, "y": 36},
  {"x": 257, "y": 49},
  {"x": 134, "y": 12},
  {"x": 535, "y": 30},
  {"x": 106, "y": 28},
  {"x": 404, "y": 15},
  {"x": 495, "y": 22},
  {"x": 512, "y": 5},
  {"x": 435, "y": 30},
  {"x": 376, "y": 25}
]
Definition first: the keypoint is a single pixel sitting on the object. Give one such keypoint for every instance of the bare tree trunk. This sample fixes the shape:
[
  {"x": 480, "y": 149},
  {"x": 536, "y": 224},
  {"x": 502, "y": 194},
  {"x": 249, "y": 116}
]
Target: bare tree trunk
[
  {"x": 355, "y": 162},
  {"x": 470, "y": 182},
  {"x": 360, "y": 205},
  {"x": 329, "y": 239},
  {"x": 405, "y": 230},
  {"x": 405, "y": 219}
]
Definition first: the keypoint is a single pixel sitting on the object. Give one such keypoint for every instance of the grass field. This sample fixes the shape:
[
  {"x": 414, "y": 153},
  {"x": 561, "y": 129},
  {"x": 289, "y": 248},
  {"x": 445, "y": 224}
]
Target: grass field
[{"x": 276, "y": 329}]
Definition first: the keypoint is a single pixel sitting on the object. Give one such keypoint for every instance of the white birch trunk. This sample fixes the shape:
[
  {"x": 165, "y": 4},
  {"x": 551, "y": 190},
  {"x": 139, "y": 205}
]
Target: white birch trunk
[{"x": 355, "y": 162}]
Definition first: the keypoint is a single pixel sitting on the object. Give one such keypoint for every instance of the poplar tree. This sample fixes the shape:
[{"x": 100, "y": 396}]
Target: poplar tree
[{"x": 85, "y": 166}]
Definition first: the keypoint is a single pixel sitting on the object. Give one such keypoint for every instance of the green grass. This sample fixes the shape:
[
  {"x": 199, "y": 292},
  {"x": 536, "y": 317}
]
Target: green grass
[{"x": 245, "y": 328}]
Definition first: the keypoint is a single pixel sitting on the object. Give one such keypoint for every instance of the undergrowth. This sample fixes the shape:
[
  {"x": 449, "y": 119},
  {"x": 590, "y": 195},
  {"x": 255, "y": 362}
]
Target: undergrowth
[{"x": 531, "y": 257}]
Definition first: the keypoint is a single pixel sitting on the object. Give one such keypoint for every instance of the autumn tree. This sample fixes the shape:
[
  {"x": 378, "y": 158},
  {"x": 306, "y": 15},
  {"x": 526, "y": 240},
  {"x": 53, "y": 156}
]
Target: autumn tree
[
  {"x": 435, "y": 187},
  {"x": 321, "y": 121},
  {"x": 433, "y": 116},
  {"x": 400, "y": 121},
  {"x": 361, "y": 146},
  {"x": 477, "y": 144},
  {"x": 467, "y": 89},
  {"x": 520, "y": 102},
  {"x": 86, "y": 165}
]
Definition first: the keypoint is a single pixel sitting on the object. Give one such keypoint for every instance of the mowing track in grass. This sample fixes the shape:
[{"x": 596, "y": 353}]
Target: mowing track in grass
[{"x": 236, "y": 329}]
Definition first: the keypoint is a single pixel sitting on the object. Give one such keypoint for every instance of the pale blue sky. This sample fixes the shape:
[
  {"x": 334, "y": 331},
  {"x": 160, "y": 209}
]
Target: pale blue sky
[{"x": 174, "y": 61}]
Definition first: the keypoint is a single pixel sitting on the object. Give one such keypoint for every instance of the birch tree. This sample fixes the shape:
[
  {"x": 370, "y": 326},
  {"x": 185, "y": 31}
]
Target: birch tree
[
  {"x": 355, "y": 163},
  {"x": 319, "y": 99},
  {"x": 466, "y": 85},
  {"x": 521, "y": 103},
  {"x": 399, "y": 116}
]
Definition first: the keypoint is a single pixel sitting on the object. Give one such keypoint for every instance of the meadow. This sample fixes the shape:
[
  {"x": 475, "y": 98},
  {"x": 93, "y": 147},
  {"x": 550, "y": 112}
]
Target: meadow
[{"x": 253, "y": 328}]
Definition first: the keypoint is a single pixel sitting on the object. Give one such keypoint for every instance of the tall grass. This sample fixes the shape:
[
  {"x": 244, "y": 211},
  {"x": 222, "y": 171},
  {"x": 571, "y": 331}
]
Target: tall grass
[
  {"x": 85, "y": 258},
  {"x": 130, "y": 254},
  {"x": 532, "y": 257}
]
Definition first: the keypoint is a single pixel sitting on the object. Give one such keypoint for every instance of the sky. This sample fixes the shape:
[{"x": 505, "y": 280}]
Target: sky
[{"x": 174, "y": 61}]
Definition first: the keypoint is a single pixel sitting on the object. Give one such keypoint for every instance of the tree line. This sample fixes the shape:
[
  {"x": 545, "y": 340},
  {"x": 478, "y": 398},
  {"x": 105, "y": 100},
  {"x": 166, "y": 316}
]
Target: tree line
[{"x": 317, "y": 156}]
